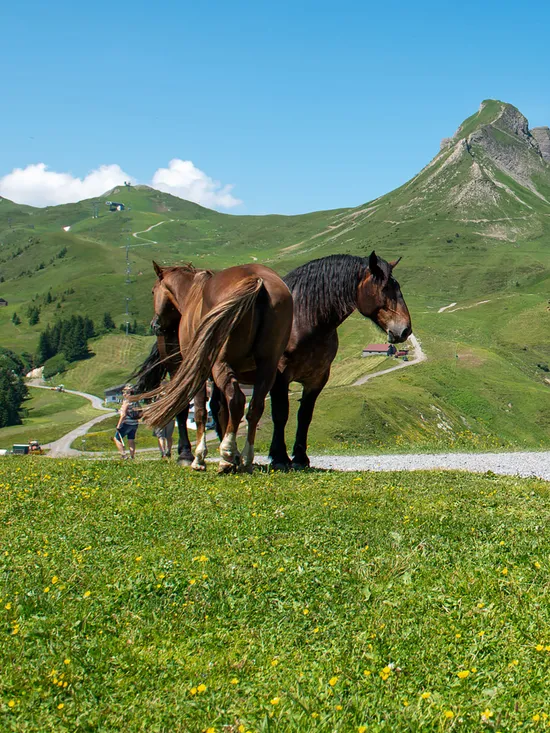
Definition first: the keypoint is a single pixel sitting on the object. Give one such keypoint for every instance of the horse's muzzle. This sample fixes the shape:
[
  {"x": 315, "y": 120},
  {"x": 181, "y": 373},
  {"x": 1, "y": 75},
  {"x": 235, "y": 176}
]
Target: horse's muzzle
[{"x": 396, "y": 336}]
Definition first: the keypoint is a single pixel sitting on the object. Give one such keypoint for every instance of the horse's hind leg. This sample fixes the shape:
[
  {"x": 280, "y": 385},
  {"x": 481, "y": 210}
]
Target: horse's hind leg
[
  {"x": 226, "y": 380},
  {"x": 265, "y": 375},
  {"x": 185, "y": 455},
  {"x": 279, "y": 412},
  {"x": 201, "y": 450}
]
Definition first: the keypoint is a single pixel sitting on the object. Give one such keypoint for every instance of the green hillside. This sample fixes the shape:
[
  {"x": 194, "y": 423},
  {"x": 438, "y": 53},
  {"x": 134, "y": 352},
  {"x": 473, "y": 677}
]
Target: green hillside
[{"x": 472, "y": 226}]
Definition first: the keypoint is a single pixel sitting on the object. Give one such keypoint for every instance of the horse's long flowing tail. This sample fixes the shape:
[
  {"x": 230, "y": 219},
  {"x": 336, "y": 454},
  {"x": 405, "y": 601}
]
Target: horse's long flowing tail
[
  {"x": 198, "y": 359},
  {"x": 150, "y": 374}
]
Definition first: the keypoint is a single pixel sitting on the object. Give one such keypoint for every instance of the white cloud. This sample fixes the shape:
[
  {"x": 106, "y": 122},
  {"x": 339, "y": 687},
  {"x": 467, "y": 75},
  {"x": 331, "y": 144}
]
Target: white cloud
[
  {"x": 37, "y": 186},
  {"x": 185, "y": 180}
]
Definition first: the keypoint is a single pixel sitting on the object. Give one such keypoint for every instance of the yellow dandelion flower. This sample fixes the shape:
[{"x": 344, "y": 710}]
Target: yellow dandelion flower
[
  {"x": 274, "y": 662},
  {"x": 333, "y": 681},
  {"x": 60, "y": 706},
  {"x": 66, "y": 661},
  {"x": 275, "y": 700},
  {"x": 338, "y": 707},
  {"x": 473, "y": 670},
  {"x": 192, "y": 581},
  {"x": 203, "y": 558},
  {"x": 314, "y": 715},
  {"x": 540, "y": 647},
  {"x": 316, "y": 630},
  {"x": 241, "y": 728},
  {"x": 481, "y": 634},
  {"x": 367, "y": 673},
  {"x": 362, "y": 729},
  {"x": 504, "y": 571},
  {"x": 87, "y": 594},
  {"x": 305, "y": 611},
  {"x": 210, "y": 730},
  {"x": 7, "y": 606},
  {"x": 47, "y": 589},
  {"x": 486, "y": 715},
  {"x": 54, "y": 579},
  {"x": 537, "y": 565},
  {"x": 535, "y": 718},
  {"x": 193, "y": 690},
  {"x": 234, "y": 681},
  {"x": 463, "y": 674},
  {"x": 448, "y": 714},
  {"x": 426, "y": 695},
  {"x": 201, "y": 688},
  {"x": 11, "y": 704},
  {"x": 281, "y": 570}
]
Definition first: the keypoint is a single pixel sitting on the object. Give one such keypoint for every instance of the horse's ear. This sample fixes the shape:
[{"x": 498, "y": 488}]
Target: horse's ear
[
  {"x": 158, "y": 270},
  {"x": 395, "y": 263},
  {"x": 375, "y": 269}
]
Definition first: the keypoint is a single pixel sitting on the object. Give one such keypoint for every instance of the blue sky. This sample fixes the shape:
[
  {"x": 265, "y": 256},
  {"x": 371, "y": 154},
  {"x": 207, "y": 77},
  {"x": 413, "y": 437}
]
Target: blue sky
[{"x": 300, "y": 105}]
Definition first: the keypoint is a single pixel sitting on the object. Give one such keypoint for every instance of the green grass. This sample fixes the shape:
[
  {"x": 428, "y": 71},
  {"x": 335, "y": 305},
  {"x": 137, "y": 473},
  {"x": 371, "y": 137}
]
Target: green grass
[
  {"x": 115, "y": 356},
  {"x": 143, "y": 597},
  {"x": 50, "y": 415}
]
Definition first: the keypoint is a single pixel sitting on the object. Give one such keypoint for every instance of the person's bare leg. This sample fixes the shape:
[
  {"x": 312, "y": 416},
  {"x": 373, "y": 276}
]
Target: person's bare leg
[
  {"x": 132, "y": 448},
  {"x": 120, "y": 446}
]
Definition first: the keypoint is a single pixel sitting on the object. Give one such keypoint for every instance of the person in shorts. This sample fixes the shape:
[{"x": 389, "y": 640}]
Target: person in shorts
[
  {"x": 165, "y": 439},
  {"x": 127, "y": 425}
]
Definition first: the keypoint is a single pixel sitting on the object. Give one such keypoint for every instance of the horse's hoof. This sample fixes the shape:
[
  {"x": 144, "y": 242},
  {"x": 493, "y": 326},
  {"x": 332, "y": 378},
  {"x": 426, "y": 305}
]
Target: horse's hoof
[
  {"x": 277, "y": 466},
  {"x": 246, "y": 469},
  {"x": 226, "y": 467},
  {"x": 296, "y": 466},
  {"x": 198, "y": 466},
  {"x": 185, "y": 461}
]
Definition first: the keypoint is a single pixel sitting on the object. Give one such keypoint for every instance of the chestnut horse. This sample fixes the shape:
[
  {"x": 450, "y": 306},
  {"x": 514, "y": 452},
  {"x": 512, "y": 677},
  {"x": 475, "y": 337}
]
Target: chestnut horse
[{"x": 232, "y": 323}]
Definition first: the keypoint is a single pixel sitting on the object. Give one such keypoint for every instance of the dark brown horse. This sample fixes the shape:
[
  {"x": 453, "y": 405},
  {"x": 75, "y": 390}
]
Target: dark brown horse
[
  {"x": 326, "y": 292},
  {"x": 232, "y": 323}
]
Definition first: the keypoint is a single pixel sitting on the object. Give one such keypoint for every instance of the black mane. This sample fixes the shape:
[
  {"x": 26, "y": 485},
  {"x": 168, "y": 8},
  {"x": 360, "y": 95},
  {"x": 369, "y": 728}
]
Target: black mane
[{"x": 325, "y": 290}]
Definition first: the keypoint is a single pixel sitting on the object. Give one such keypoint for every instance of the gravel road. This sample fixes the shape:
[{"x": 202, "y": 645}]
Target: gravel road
[{"x": 508, "y": 464}]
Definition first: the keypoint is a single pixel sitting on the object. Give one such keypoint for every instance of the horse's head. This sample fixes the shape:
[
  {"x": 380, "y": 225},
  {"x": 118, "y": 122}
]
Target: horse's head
[
  {"x": 379, "y": 298},
  {"x": 167, "y": 315}
]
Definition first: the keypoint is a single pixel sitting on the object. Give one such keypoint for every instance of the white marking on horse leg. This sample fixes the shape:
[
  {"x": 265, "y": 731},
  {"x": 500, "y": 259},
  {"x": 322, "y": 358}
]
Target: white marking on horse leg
[
  {"x": 228, "y": 447},
  {"x": 247, "y": 456},
  {"x": 201, "y": 452}
]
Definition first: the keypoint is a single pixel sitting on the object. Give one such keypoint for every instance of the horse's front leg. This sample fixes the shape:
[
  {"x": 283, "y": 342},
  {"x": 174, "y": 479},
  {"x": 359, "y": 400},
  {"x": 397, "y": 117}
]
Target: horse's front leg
[
  {"x": 300, "y": 458},
  {"x": 185, "y": 455},
  {"x": 201, "y": 450}
]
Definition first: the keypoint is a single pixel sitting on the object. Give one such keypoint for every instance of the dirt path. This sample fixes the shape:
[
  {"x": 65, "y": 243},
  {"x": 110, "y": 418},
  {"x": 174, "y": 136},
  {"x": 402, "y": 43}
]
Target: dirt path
[
  {"x": 144, "y": 231},
  {"x": 62, "y": 447}
]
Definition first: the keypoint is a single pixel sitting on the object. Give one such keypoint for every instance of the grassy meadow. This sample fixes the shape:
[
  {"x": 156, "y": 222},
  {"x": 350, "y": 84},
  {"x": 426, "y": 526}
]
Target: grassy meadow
[{"x": 143, "y": 597}]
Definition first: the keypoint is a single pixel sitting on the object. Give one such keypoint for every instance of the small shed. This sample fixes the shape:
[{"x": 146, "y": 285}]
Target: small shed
[
  {"x": 3, "y": 302},
  {"x": 114, "y": 394}
]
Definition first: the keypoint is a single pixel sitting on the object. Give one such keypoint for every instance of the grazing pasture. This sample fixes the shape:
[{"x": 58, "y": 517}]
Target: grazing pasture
[{"x": 144, "y": 597}]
